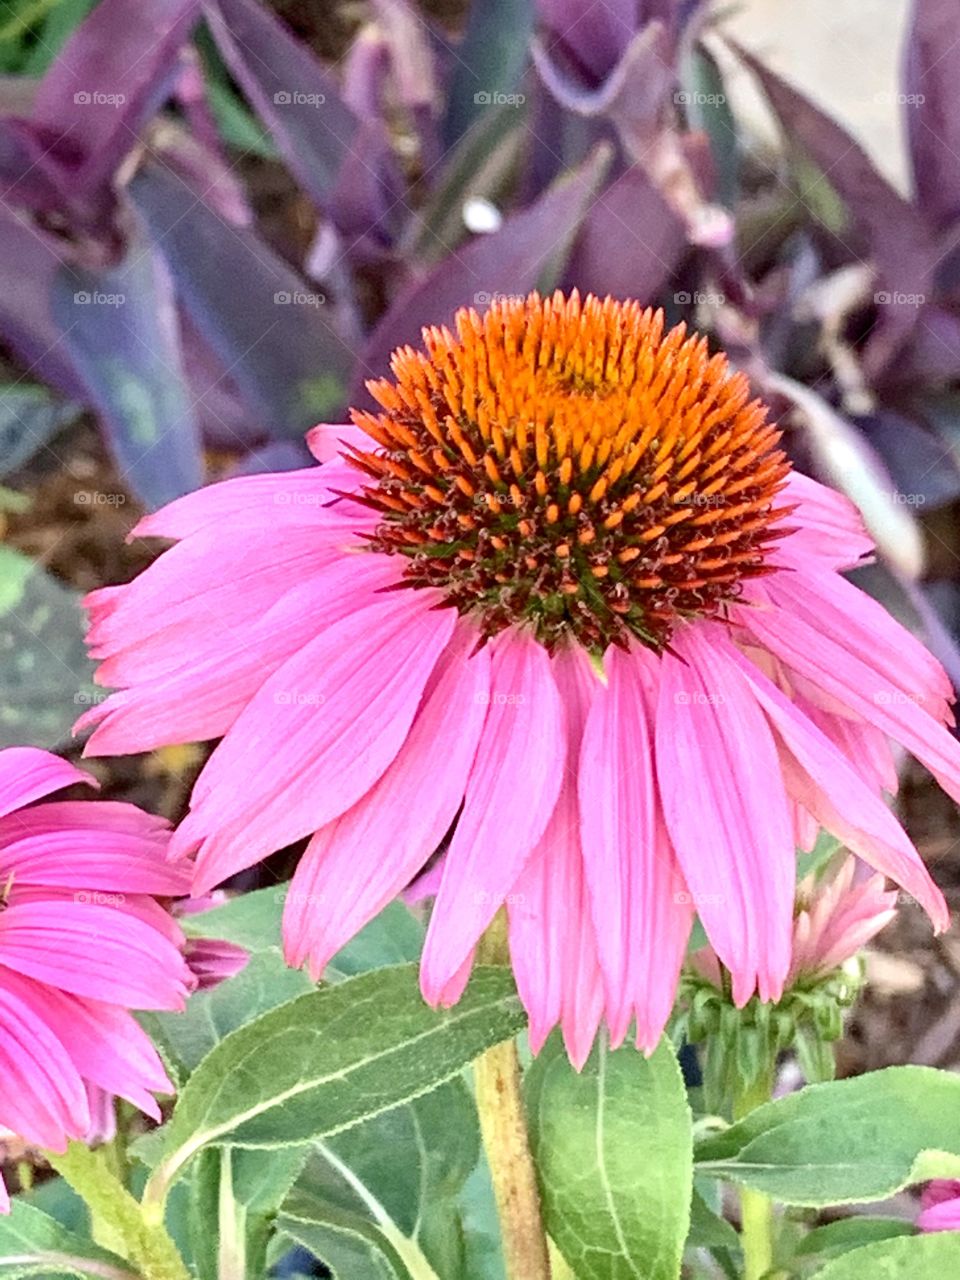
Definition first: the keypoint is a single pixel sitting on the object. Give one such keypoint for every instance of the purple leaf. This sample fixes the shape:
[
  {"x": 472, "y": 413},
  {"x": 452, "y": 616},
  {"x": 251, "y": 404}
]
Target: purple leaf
[
  {"x": 28, "y": 265},
  {"x": 930, "y": 79},
  {"x": 893, "y": 233},
  {"x": 120, "y": 328},
  {"x": 592, "y": 37},
  {"x": 272, "y": 334},
  {"x": 488, "y": 63},
  {"x": 529, "y": 251},
  {"x": 108, "y": 81},
  {"x": 924, "y": 473},
  {"x": 290, "y": 90},
  {"x": 630, "y": 242}
]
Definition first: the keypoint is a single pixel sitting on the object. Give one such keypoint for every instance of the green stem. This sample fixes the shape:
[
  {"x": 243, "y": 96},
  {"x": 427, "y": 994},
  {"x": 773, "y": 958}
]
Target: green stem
[
  {"x": 115, "y": 1215},
  {"x": 757, "y": 1220},
  {"x": 504, "y": 1129}
]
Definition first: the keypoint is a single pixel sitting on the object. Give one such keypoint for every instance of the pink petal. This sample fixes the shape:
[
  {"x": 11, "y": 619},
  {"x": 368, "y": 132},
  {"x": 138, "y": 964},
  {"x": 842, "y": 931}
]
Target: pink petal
[
  {"x": 828, "y": 527},
  {"x": 202, "y": 698},
  {"x": 362, "y": 860},
  {"x": 510, "y": 796},
  {"x": 43, "y": 1099},
  {"x": 327, "y": 442},
  {"x": 852, "y": 619},
  {"x": 271, "y": 499},
  {"x": 104, "y": 1043},
  {"x": 726, "y": 810},
  {"x": 316, "y": 736},
  {"x": 27, "y": 774},
  {"x": 50, "y": 847},
  {"x": 552, "y": 942},
  {"x": 641, "y": 913},
  {"x": 827, "y": 785},
  {"x": 95, "y": 951},
  {"x": 828, "y": 665}
]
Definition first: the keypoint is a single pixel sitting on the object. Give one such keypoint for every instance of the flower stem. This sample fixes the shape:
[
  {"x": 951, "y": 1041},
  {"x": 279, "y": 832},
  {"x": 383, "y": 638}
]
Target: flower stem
[
  {"x": 756, "y": 1209},
  {"x": 504, "y": 1129}
]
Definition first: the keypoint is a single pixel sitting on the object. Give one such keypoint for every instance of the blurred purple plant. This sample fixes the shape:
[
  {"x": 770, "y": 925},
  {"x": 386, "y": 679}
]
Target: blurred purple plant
[{"x": 548, "y": 143}]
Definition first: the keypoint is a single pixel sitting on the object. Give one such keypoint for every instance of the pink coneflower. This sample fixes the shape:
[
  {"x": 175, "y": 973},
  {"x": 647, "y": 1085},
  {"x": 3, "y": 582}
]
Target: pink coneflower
[
  {"x": 404, "y": 644},
  {"x": 835, "y": 919},
  {"x": 82, "y": 941},
  {"x": 940, "y": 1206}
]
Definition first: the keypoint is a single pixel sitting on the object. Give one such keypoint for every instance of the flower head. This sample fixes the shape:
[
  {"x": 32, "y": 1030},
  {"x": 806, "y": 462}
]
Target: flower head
[
  {"x": 403, "y": 646},
  {"x": 82, "y": 941}
]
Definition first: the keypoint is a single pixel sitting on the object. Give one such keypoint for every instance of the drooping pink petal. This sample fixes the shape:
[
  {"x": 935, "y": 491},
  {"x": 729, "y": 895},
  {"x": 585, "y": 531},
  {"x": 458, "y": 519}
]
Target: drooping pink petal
[
  {"x": 844, "y": 676},
  {"x": 524, "y": 738},
  {"x": 726, "y": 810},
  {"x": 104, "y": 1043},
  {"x": 203, "y": 696},
  {"x": 95, "y": 951},
  {"x": 831, "y": 789},
  {"x": 356, "y": 864},
  {"x": 27, "y": 774},
  {"x": 641, "y": 912},
  {"x": 552, "y": 944},
  {"x": 43, "y": 1097},
  {"x": 316, "y": 736},
  {"x": 867, "y": 749},
  {"x": 852, "y": 619}
]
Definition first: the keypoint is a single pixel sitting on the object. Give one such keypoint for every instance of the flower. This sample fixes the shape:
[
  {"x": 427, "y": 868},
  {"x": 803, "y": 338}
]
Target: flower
[
  {"x": 405, "y": 644},
  {"x": 940, "y": 1206},
  {"x": 82, "y": 941},
  {"x": 835, "y": 918}
]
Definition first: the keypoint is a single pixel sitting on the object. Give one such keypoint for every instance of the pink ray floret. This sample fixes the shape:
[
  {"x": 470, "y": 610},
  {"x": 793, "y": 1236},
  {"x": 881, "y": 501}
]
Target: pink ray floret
[{"x": 83, "y": 940}]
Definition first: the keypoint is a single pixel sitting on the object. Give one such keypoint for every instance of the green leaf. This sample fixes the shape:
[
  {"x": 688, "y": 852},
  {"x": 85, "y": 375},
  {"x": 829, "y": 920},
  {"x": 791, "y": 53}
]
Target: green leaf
[
  {"x": 845, "y": 1142},
  {"x": 402, "y": 1172},
  {"x": 34, "y": 1244},
  {"x": 253, "y": 920},
  {"x": 925, "y": 1257},
  {"x": 331, "y": 1059},
  {"x": 613, "y": 1147},
  {"x": 852, "y": 1233},
  {"x": 186, "y": 1038},
  {"x": 45, "y": 675},
  {"x": 707, "y": 1229}
]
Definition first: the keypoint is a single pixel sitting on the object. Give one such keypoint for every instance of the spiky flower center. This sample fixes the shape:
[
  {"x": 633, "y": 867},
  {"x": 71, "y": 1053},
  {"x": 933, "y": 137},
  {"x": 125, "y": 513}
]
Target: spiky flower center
[{"x": 567, "y": 464}]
